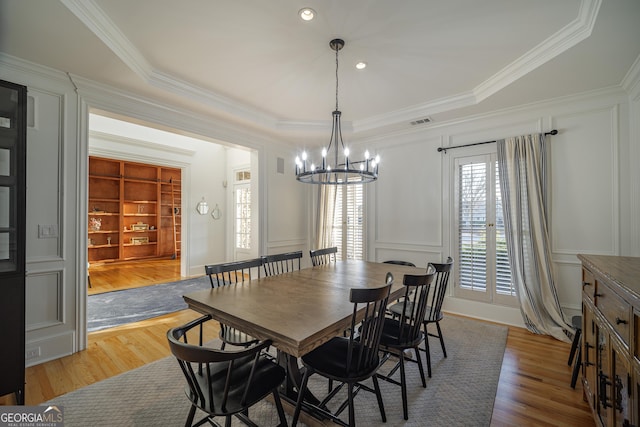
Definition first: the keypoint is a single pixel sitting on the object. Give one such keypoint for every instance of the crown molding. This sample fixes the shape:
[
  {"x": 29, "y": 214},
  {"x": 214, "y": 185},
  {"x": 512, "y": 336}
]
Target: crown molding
[
  {"x": 567, "y": 37},
  {"x": 405, "y": 115},
  {"x": 22, "y": 66},
  {"x": 572, "y": 34},
  {"x": 94, "y": 18},
  {"x": 134, "y": 106},
  {"x": 90, "y": 14},
  {"x": 105, "y": 136},
  {"x": 631, "y": 81},
  {"x": 604, "y": 96},
  {"x": 104, "y": 28}
]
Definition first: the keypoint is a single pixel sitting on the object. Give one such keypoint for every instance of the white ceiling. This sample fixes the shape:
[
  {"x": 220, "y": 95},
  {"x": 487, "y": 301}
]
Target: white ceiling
[{"x": 255, "y": 62}]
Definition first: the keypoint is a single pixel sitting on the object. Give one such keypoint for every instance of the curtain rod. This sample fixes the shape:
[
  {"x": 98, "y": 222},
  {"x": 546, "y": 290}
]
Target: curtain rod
[{"x": 553, "y": 132}]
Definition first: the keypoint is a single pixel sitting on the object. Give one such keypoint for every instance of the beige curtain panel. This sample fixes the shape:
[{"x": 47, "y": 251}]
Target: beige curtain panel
[
  {"x": 326, "y": 204},
  {"x": 522, "y": 163}
]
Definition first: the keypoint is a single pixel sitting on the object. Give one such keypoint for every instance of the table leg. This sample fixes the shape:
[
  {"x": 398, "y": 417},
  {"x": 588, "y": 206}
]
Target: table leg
[{"x": 294, "y": 379}]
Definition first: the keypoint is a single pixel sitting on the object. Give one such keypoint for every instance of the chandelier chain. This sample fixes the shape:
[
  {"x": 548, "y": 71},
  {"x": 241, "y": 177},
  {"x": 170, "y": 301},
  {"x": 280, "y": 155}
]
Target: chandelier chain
[{"x": 337, "y": 50}]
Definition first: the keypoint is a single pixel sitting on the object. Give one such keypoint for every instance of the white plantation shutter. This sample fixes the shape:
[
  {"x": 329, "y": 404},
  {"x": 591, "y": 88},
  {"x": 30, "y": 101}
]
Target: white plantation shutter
[
  {"x": 472, "y": 230},
  {"x": 338, "y": 221},
  {"x": 243, "y": 217},
  {"x": 483, "y": 270},
  {"x": 355, "y": 221},
  {"x": 348, "y": 221}
]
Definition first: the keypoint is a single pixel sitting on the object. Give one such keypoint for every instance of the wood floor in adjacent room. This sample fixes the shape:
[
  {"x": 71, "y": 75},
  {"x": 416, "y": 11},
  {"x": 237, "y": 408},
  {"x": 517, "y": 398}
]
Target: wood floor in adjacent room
[{"x": 533, "y": 389}]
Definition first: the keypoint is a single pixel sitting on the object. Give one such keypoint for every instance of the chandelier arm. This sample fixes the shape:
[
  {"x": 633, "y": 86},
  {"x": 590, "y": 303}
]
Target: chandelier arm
[
  {"x": 336, "y": 125},
  {"x": 333, "y": 130}
]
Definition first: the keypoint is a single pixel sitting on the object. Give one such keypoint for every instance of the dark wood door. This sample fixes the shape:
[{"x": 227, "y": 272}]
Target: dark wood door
[{"x": 13, "y": 99}]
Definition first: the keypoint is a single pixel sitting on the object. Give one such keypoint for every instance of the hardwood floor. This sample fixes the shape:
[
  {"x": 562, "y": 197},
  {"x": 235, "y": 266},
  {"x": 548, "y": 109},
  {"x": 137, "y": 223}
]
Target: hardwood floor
[
  {"x": 533, "y": 389},
  {"x": 534, "y": 384},
  {"x": 113, "y": 276}
]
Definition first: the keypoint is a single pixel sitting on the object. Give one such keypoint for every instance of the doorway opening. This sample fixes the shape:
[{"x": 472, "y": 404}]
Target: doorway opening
[{"x": 143, "y": 250}]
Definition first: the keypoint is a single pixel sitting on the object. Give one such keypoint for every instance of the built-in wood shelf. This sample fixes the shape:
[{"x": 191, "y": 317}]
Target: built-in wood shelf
[{"x": 125, "y": 195}]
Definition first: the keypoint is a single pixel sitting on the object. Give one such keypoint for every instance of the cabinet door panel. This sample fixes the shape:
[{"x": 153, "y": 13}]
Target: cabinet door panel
[
  {"x": 621, "y": 385},
  {"x": 589, "y": 346},
  {"x": 603, "y": 393}
]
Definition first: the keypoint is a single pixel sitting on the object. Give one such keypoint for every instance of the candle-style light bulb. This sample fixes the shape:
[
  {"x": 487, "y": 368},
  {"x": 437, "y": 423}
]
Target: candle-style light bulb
[
  {"x": 346, "y": 158},
  {"x": 304, "y": 155},
  {"x": 361, "y": 167},
  {"x": 377, "y": 159},
  {"x": 366, "y": 155},
  {"x": 324, "y": 157}
]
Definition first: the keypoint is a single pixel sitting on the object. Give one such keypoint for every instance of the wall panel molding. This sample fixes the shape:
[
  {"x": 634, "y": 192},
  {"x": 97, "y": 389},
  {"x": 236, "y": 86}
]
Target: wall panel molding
[
  {"x": 45, "y": 299},
  {"x": 416, "y": 179},
  {"x": 604, "y": 198}
]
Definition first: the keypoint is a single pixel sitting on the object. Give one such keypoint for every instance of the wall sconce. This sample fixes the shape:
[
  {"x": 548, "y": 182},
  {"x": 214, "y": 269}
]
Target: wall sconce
[
  {"x": 202, "y": 207},
  {"x": 216, "y": 213}
]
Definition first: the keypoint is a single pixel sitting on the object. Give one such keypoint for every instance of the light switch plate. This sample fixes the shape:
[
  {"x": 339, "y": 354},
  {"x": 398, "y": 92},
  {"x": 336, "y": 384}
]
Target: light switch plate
[{"x": 47, "y": 231}]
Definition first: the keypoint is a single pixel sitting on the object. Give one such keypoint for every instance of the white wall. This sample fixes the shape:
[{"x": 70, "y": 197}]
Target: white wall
[
  {"x": 287, "y": 215},
  {"x": 592, "y": 185},
  {"x": 51, "y": 263}
]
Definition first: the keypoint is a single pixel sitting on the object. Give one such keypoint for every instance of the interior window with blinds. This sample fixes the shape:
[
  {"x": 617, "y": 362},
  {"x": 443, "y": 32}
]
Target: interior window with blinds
[
  {"x": 348, "y": 221},
  {"x": 483, "y": 271}
]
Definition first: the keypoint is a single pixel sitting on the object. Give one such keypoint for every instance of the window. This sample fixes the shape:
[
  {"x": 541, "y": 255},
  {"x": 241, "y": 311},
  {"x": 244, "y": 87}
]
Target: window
[
  {"x": 348, "y": 221},
  {"x": 483, "y": 271},
  {"x": 243, "y": 210}
]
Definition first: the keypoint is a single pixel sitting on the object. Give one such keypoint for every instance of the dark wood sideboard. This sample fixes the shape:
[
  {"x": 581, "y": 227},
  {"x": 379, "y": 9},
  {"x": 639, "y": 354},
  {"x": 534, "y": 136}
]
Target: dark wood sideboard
[{"x": 611, "y": 338}]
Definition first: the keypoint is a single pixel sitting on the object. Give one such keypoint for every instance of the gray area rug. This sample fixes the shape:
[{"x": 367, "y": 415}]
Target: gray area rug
[
  {"x": 116, "y": 308},
  {"x": 460, "y": 393}
]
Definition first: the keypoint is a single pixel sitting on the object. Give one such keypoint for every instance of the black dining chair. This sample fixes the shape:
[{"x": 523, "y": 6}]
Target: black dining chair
[
  {"x": 224, "y": 383},
  {"x": 575, "y": 354},
  {"x": 434, "y": 307},
  {"x": 404, "y": 332},
  {"x": 352, "y": 359},
  {"x": 323, "y": 256},
  {"x": 281, "y": 263},
  {"x": 232, "y": 273}
]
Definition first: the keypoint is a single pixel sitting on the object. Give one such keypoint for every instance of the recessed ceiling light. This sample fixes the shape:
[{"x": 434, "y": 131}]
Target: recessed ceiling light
[
  {"x": 361, "y": 65},
  {"x": 307, "y": 14}
]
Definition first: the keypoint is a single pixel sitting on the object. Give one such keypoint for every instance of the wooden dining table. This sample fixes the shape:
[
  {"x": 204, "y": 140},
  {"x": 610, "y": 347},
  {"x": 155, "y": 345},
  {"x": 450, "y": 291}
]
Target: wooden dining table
[{"x": 300, "y": 310}]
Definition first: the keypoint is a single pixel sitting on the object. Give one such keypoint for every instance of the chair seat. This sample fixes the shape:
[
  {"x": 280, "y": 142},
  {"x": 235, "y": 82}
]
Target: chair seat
[
  {"x": 330, "y": 360},
  {"x": 267, "y": 376},
  {"x": 576, "y": 322},
  {"x": 391, "y": 336}
]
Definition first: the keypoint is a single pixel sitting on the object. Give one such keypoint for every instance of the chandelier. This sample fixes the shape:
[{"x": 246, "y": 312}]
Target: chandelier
[{"x": 337, "y": 167}]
